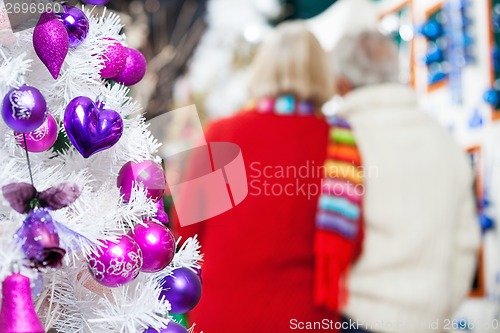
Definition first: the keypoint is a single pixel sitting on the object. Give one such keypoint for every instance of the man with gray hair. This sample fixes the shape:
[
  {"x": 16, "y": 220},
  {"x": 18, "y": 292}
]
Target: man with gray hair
[{"x": 420, "y": 225}]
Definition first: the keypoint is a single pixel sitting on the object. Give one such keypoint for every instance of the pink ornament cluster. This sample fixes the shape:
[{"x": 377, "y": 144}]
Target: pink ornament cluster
[
  {"x": 124, "y": 65},
  {"x": 24, "y": 110},
  {"x": 148, "y": 247},
  {"x": 55, "y": 34}
]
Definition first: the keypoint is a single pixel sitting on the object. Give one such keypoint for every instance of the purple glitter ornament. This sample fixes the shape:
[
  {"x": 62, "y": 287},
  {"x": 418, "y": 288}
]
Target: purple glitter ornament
[
  {"x": 157, "y": 245},
  {"x": 76, "y": 23},
  {"x": 42, "y": 138},
  {"x": 116, "y": 263},
  {"x": 24, "y": 109},
  {"x": 90, "y": 128},
  {"x": 147, "y": 173},
  {"x": 114, "y": 59},
  {"x": 134, "y": 70},
  {"x": 18, "y": 314},
  {"x": 182, "y": 289},
  {"x": 172, "y": 327},
  {"x": 96, "y": 2},
  {"x": 51, "y": 42},
  {"x": 40, "y": 240}
]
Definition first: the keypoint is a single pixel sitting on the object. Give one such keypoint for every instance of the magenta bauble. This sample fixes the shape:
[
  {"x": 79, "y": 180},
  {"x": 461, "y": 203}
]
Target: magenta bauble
[
  {"x": 51, "y": 42},
  {"x": 24, "y": 109},
  {"x": 160, "y": 214},
  {"x": 114, "y": 59},
  {"x": 134, "y": 70},
  {"x": 147, "y": 174},
  {"x": 116, "y": 263},
  {"x": 41, "y": 139},
  {"x": 157, "y": 245}
]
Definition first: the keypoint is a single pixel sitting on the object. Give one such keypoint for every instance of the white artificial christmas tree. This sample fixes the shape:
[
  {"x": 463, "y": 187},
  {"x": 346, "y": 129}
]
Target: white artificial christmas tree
[{"x": 68, "y": 299}]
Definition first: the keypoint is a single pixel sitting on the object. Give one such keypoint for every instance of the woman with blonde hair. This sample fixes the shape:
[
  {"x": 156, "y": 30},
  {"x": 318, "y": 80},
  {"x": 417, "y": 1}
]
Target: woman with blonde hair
[{"x": 258, "y": 272}]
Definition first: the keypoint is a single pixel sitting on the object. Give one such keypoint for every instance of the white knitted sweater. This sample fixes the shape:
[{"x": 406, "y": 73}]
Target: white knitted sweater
[{"x": 422, "y": 233}]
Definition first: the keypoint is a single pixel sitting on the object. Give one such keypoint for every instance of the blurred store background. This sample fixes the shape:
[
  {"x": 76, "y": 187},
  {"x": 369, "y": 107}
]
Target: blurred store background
[{"x": 199, "y": 52}]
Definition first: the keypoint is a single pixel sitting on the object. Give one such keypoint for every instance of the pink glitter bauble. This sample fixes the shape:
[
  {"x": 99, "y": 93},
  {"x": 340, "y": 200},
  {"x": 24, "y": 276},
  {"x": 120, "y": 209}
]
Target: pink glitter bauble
[
  {"x": 116, "y": 263},
  {"x": 114, "y": 59},
  {"x": 134, "y": 70},
  {"x": 157, "y": 245},
  {"x": 51, "y": 42},
  {"x": 41, "y": 139}
]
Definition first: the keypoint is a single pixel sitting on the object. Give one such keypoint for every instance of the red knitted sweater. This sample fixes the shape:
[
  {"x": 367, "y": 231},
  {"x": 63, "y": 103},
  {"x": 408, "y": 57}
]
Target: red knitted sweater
[{"x": 258, "y": 273}]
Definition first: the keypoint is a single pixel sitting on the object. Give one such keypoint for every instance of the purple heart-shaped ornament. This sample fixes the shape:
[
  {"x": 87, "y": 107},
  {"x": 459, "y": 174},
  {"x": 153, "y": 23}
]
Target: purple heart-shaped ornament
[{"x": 90, "y": 128}]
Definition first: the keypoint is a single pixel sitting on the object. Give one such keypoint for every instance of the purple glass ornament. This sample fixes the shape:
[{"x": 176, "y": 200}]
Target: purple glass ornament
[
  {"x": 24, "y": 109},
  {"x": 157, "y": 245},
  {"x": 116, "y": 263},
  {"x": 172, "y": 327},
  {"x": 134, "y": 70},
  {"x": 42, "y": 138},
  {"x": 114, "y": 59},
  {"x": 51, "y": 42},
  {"x": 147, "y": 173},
  {"x": 96, "y": 2},
  {"x": 305, "y": 108},
  {"x": 90, "y": 128},
  {"x": 182, "y": 289},
  {"x": 160, "y": 215},
  {"x": 40, "y": 240},
  {"x": 76, "y": 23}
]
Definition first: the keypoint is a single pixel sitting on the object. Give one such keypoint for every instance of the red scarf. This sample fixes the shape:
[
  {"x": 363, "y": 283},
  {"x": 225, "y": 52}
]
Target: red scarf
[{"x": 339, "y": 221}]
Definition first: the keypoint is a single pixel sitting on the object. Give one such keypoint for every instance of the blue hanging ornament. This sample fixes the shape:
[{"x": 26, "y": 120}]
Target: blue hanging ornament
[
  {"x": 434, "y": 54},
  {"x": 486, "y": 222},
  {"x": 476, "y": 120},
  {"x": 492, "y": 97},
  {"x": 436, "y": 75},
  {"x": 431, "y": 29}
]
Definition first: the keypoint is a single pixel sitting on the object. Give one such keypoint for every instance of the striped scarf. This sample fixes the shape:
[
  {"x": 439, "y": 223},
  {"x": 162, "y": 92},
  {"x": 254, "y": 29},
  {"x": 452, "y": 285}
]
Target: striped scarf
[{"x": 339, "y": 221}]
